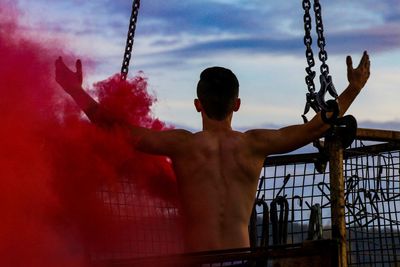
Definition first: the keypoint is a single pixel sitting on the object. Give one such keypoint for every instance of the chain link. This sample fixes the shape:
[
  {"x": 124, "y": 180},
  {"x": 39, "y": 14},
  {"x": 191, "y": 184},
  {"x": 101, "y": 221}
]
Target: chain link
[
  {"x": 323, "y": 55},
  {"x": 130, "y": 39},
  {"x": 311, "y": 95},
  {"x": 314, "y": 100}
]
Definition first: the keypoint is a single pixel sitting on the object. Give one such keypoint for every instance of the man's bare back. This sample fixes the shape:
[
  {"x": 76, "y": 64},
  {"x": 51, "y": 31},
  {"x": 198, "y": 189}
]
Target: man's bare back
[
  {"x": 217, "y": 169},
  {"x": 217, "y": 173},
  {"x": 217, "y": 176}
]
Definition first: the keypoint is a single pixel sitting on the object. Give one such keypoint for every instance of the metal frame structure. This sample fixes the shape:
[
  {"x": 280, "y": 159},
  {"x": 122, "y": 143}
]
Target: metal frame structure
[{"x": 359, "y": 200}]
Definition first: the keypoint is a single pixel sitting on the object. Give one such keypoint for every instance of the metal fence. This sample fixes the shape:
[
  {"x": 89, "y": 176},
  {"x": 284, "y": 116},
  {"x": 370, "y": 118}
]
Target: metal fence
[
  {"x": 371, "y": 169},
  {"x": 372, "y": 197}
]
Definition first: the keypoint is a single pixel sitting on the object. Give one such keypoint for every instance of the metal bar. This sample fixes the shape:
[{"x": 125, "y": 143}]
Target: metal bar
[
  {"x": 337, "y": 198},
  {"x": 378, "y": 135},
  {"x": 312, "y": 157},
  {"x": 219, "y": 257},
  {"x": 391, "y": 137}
]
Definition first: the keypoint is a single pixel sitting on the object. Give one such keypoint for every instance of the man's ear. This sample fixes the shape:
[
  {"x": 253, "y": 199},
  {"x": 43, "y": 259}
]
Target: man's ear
[
  {"x": 197, "y": 104},
  {"x": 237, "y": 104}
]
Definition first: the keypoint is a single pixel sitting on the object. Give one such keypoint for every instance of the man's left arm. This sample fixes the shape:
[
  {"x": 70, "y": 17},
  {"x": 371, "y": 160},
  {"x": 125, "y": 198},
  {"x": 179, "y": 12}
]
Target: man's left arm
[{"x": 292, "y": 137}]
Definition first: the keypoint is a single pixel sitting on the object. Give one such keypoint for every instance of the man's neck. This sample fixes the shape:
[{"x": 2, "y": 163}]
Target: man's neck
[{"x": 214, "y": 125}]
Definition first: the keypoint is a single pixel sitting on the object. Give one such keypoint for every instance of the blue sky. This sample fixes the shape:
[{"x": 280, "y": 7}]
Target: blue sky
[{"x": 260, "y": 40}]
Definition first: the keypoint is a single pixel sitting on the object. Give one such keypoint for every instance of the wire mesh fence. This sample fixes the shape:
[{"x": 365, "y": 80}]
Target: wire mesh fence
[
  {"x": 296, "y": 194},
  {"x": 372, "y": 208},
  {"x": 147, "y": 226},
  {"x": 372, "y": 197}
]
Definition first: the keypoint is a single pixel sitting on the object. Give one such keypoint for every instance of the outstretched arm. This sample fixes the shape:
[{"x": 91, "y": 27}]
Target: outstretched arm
[
  {"x": 146, "y": 140},
  {"x": 71, "y": 82},
  {"x": 267, "y": 142}
]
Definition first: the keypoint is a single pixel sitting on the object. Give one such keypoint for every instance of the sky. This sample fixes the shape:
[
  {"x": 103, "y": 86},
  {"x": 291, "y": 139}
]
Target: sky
[{"x": 260, "y": 40}]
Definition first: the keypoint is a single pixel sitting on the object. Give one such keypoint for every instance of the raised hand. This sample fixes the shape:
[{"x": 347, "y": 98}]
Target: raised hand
[
  {"x": 359, "y": 76},
  {"x": 71, "y": 82},
  {"x": 68, "y": 79}
]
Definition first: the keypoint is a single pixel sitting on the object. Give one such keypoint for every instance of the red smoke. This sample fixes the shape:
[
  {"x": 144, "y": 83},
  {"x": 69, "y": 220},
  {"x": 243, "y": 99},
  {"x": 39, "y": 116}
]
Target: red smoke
[{"x": 62, "y": 179}]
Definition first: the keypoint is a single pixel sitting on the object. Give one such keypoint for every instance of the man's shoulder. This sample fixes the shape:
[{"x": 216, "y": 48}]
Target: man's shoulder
[
  {"x": 254, "y": 133},
  {"x": 180, "y": 131},
  {"x": 177, "y": 134}
]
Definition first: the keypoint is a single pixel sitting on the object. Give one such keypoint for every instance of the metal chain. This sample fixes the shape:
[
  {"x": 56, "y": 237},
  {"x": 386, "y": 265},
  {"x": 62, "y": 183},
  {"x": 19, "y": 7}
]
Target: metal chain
[
  {"x": 325, "y": 78},
  {"x": 323, "y": 55},
  {"x": 311, "y": 95},
  {"x": 130, "y": 40},
  {"x": 314, "y": 100}
]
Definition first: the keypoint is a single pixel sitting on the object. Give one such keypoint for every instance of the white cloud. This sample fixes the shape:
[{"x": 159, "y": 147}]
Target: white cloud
[{"x": 271, "y": 82}]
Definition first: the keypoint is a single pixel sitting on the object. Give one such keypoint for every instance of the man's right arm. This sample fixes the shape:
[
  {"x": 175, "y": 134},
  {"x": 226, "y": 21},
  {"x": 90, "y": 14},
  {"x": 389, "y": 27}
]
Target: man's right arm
[
  {"x": 167, "y": 143},
  {"x": 71, "y": 82}
]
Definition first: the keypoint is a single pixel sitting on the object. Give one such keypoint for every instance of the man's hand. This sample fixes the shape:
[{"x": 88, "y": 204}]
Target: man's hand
[
  {"x": 68, "y": 79},
  {"x": 71, "y": 82},
  {"x": 359, "y": 76}
]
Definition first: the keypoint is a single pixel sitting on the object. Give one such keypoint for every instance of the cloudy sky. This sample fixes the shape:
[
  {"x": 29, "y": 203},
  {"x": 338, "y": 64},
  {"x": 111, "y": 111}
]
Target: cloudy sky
[{"x": 260, "y": 40}]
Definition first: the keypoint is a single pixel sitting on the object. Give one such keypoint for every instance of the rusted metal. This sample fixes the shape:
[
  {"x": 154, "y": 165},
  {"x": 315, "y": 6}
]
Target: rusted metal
[
  {"x": 310, "y": 254},
  {"x": 378, "y": 135},
  {"x": 337, "y": 197}
]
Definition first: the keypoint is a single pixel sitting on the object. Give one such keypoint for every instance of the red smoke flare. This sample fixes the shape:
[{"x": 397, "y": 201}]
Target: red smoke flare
[{"x": 63, "y": 180}]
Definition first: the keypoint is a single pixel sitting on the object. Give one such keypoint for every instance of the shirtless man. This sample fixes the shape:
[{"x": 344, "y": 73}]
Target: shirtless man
[{"x": 218, "y": 168}]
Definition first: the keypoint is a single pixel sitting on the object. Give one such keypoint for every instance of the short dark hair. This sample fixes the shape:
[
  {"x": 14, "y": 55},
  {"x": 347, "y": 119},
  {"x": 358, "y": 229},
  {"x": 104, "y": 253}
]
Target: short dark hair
[{"x": 217, "y": 91}]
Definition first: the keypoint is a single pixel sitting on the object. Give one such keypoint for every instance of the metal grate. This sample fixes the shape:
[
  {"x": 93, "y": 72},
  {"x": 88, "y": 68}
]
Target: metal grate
[
  {"x": 144, "y": 225},
  {"x": 302, "y": 186},
  {"x": 372, "y": 192},
  {"x": 372, "y": 208}
]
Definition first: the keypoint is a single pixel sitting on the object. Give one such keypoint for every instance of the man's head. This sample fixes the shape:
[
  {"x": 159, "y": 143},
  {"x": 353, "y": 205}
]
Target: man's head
[{"x": 217, "y": 92}]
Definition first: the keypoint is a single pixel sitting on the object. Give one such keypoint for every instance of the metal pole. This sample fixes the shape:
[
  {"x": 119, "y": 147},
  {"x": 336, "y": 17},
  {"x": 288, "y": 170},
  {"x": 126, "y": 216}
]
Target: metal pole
[{"x": 337, "y": 197}]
